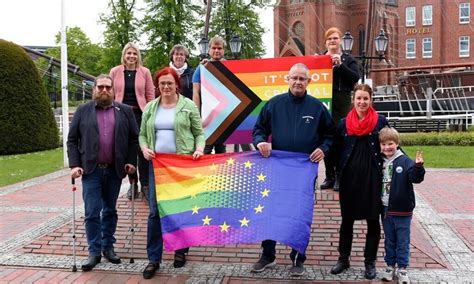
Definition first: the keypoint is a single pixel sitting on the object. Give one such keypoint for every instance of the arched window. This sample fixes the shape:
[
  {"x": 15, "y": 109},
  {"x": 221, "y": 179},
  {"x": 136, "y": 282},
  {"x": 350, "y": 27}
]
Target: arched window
[{"x": 361, "y": 39}]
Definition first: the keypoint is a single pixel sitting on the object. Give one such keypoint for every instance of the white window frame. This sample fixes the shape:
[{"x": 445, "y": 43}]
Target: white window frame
[
  {"x": 410, "y": 55},
  {"x": 464, "y": 52},
  {"x": 412, "y": 22},
  {"x": 425, "y": 52},
  {"x": 465, "y": 19},
  {"x": 427, "y": 16}
]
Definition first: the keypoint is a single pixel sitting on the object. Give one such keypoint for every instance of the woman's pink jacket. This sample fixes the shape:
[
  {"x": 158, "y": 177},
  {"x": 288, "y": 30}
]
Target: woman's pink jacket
[{"x": 144, "y": 88}]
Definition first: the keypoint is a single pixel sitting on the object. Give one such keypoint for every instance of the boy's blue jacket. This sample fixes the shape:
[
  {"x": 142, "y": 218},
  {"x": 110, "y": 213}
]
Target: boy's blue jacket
[
  {"x": 297, "y": 124},
  {"x": 401, "y": 200}
]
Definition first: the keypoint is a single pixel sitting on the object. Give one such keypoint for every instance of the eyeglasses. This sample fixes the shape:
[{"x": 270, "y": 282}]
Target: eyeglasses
[
  {"x": 164, "y": 84},
  {"x": 101, "y": 87},
  {"x": 296, "y": 78}
]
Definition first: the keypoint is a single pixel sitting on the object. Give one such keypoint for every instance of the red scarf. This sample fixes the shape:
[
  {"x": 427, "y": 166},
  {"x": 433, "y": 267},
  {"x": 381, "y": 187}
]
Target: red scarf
[{"x": 361, "y": 127}]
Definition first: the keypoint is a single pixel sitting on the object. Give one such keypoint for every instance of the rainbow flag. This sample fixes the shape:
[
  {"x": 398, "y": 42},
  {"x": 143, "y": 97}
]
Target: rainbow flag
[
  {"x": 228, "y": 85},
  {"x": 235, "y": 198}
]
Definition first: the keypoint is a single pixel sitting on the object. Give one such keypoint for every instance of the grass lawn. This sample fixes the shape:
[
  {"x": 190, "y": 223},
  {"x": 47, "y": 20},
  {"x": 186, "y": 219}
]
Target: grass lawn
[
  {"x": 16, "y": 168},
  {"x": 444, "y": 156}
]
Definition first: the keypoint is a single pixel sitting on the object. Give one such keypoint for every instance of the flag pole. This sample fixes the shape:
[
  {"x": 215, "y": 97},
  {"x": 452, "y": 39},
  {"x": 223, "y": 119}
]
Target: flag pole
[{"x": 64, "y": 84}]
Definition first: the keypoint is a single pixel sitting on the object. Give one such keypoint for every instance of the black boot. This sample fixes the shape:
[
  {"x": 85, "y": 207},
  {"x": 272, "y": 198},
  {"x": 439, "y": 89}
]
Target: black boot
[
  {"x": 91, "y": 262},
  {"x": 341, "y": 265},
  {"x": 328, "y": 183},
  {"x": 110, "y": 255},
  {"x": 370, "y": 270},
  {"x": 150, "y": 270},
  {"x": 337, "y": 182}
]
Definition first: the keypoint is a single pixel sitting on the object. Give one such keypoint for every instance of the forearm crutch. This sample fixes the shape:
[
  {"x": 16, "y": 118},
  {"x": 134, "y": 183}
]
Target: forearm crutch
[
  {"x": 132, "y": 228},
  {"x": 73, "y": 182}
]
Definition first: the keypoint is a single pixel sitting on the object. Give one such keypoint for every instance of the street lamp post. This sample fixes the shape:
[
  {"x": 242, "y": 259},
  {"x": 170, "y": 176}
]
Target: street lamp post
[
  {"x": 235, "y": 46},
  {"x": 381, "y": 43},
  {"x": 203, "y": 47}
]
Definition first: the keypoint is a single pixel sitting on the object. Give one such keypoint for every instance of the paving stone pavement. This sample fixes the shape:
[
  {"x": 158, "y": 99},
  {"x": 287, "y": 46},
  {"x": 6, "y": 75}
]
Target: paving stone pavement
[{"x": 36, "y": 239}]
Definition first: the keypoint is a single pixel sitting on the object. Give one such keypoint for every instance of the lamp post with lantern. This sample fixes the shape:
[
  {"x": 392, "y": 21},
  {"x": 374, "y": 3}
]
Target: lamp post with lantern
[
  {"x": 235, "y": 46},
  {"x": 381, "y": 43},
  {"x": 203, "y": 47}
]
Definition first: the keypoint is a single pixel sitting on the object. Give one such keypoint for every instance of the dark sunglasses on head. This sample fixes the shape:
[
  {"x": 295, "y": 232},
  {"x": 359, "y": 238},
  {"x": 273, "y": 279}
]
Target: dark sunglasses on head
[{"x": 101, "y": 87}]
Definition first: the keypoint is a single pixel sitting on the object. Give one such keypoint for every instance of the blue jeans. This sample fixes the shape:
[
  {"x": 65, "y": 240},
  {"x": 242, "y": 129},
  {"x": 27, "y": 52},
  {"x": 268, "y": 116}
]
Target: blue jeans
[
  {"x": 100, "y": 190},
  {"x": 397, "y": 239},
  {"x": 154, "y": 240}
]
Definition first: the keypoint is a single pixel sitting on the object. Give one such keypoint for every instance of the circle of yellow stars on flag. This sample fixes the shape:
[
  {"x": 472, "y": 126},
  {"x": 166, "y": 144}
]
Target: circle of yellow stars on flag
[{"x": 245, "y": 185}]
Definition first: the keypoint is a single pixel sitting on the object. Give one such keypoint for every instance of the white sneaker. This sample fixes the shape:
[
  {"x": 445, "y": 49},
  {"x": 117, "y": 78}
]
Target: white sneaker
[
  {"x": 388, "y": 273},
  {"x": 402, "y": 276}
]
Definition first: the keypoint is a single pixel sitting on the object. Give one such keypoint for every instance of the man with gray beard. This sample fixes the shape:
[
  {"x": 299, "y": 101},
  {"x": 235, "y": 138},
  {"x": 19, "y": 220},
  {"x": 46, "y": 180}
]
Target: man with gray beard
[{"x": 102, "y": 148}]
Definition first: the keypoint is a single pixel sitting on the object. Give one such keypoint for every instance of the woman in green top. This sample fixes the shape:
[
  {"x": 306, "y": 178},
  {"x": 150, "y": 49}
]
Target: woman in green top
[{"x": 170, "y": 124}]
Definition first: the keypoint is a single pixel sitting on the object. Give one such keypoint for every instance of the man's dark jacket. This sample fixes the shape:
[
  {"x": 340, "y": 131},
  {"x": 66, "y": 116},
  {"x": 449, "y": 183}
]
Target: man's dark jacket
[{"x": 83, "y": 138}]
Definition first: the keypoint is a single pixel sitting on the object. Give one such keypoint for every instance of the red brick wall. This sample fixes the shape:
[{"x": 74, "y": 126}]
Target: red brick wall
[
  {"x": 317, "y": 16},
  {"x": 445, "y": 32}
]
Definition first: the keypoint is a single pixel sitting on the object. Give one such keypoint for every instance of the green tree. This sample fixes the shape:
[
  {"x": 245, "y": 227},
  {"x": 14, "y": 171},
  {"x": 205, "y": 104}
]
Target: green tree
[
  {"x": 166, "y": 23},
  {"x": 121, "y": 27},
  {"x": 80, "y": 51},
  {"x": 240, "y": 18},
  {"x": 27, "y": 122}
]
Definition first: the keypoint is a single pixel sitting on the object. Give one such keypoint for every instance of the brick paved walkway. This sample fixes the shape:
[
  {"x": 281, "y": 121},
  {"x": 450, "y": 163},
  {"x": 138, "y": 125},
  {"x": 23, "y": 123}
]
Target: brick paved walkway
[{"x": 36, "y": 238}]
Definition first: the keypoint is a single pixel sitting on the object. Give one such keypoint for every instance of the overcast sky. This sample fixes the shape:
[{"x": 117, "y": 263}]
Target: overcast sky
[{"x": 36, "y": 22}]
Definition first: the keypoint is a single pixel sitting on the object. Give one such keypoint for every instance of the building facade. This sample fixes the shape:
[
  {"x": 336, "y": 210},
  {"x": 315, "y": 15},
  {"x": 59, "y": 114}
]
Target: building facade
[
  {"x": 435, "y": 32},
  {"x": 421, "y": 33}
]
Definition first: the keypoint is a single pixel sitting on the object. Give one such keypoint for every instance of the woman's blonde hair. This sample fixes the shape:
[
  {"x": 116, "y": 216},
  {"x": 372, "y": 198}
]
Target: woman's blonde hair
[{"x": 134, "y": 46}]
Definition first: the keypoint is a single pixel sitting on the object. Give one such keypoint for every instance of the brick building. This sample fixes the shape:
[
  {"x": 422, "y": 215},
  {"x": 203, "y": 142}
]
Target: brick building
[
  {"x": 421, "y": 33},
  {"x": 435, "y": 32}
]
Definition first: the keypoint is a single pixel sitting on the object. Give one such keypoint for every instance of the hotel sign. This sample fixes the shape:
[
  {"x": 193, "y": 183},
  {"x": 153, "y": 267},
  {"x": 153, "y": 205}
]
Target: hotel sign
[{"x": 418, "y": 31}]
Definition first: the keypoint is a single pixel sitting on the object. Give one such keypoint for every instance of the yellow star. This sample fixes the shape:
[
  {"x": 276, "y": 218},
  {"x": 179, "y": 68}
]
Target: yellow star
[
  {"x": 230, "y": 161},
  {"x": 248, "y": 165},
  {"x": 265, "y": 193},
  {"x": 261, "y": 177},
  {"x": 213, "y": 167},
  {"x": 195, "y": 210},
  {"x": 244, "y": 222},
  {"x": 258, "y": 209},
  {"x": 224, "y": 227},
  {"x": 206, "y": 221}
]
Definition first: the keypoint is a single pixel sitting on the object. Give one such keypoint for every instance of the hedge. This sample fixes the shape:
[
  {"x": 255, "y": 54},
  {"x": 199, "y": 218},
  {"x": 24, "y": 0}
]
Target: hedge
[
  {"x": 435, "y": 138},
  {"x": 27, "y": 121}
]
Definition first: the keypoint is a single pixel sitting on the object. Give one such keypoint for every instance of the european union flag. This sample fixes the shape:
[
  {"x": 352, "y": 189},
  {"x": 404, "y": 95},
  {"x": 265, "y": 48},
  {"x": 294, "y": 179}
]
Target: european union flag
[{"x": 235, "y": 198}]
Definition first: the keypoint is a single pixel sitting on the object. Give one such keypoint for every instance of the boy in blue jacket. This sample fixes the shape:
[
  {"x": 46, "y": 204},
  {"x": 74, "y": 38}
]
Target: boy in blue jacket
[{"x": 398, "y": 199}]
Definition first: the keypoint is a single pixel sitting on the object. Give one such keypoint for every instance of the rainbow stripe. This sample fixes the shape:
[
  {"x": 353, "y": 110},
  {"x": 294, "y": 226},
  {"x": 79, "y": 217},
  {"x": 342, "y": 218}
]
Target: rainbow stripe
[
  {"x": 235, "y": 198},
  {"x": 269, "y": 77}
]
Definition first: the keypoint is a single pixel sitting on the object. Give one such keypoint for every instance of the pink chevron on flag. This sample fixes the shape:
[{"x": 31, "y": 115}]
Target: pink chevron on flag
[{"x": 223, "y": 102}]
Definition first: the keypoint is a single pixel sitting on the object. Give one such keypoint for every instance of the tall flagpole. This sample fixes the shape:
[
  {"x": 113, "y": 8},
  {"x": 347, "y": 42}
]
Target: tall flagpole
[{"x": 64, "y": 84}]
